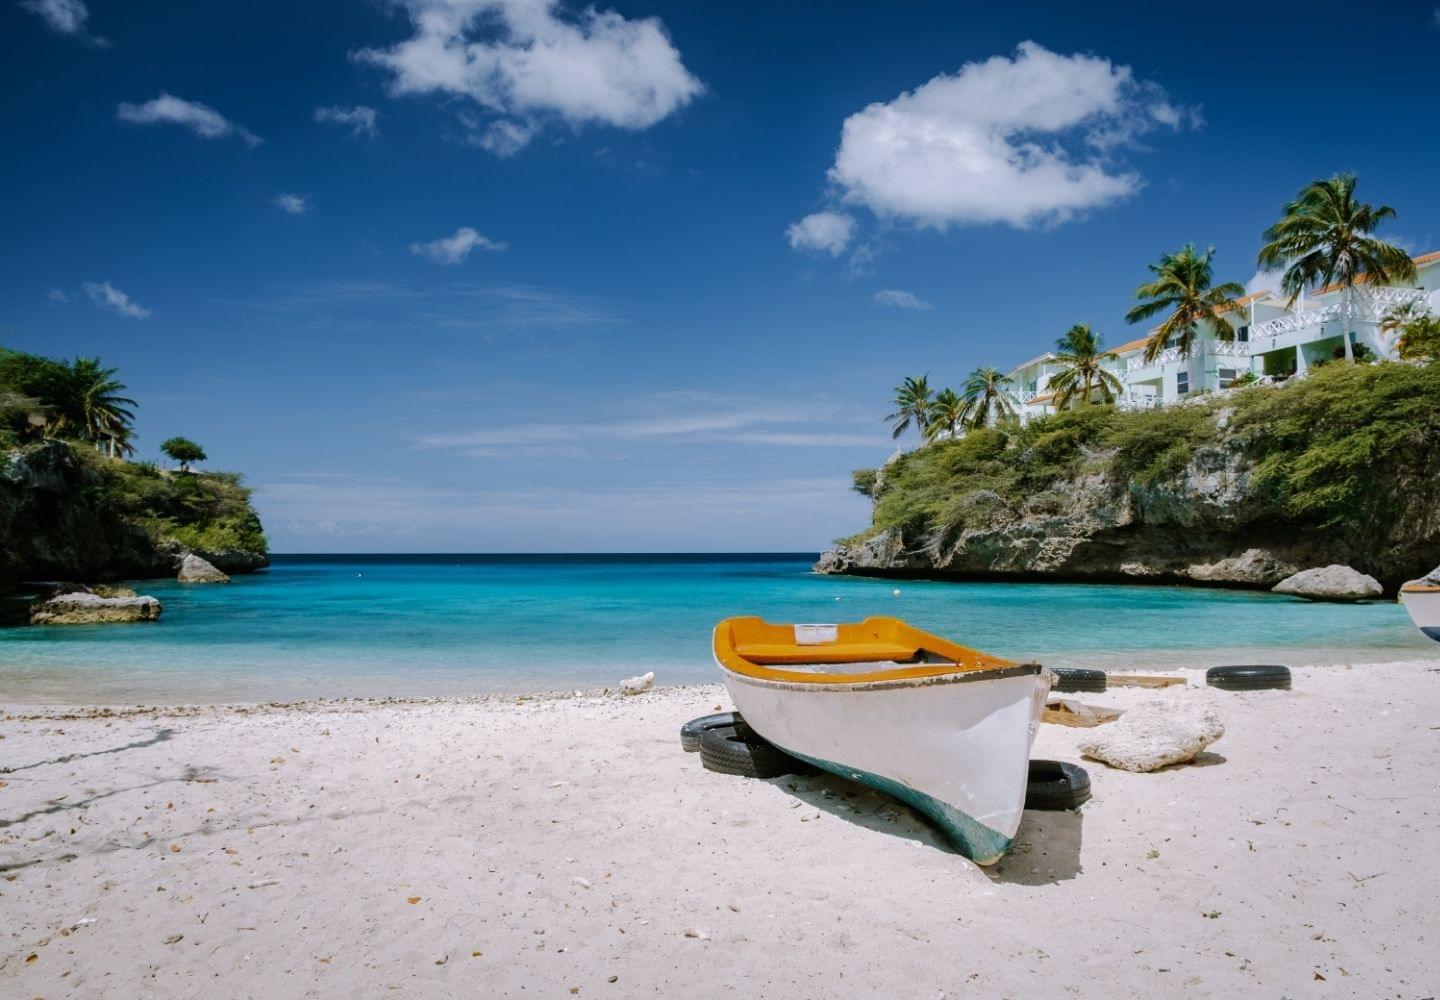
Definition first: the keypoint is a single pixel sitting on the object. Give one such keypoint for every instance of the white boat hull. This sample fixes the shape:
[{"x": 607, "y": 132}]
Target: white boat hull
[
  {"x": 1424, "y": 606},
  {"x": 957, "y": 748}
]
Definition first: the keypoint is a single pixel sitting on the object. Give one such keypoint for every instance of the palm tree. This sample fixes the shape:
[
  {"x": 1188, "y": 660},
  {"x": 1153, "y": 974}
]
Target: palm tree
[
  {"x": 945, "y": 416},
  {"x": 912, "y": 402},
  {"x": 1323, "y": 238},
  {"x": 1182, "y": 285},
  {"x": 1419, "y": 332},
  {"x": 1084, "y": 373},
  {"x": 987, "y": 401},
  {"x": 104, "y": 413}
]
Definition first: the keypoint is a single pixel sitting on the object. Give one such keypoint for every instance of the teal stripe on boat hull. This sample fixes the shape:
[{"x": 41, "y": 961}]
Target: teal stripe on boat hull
[{"x": 970, "y": 837}]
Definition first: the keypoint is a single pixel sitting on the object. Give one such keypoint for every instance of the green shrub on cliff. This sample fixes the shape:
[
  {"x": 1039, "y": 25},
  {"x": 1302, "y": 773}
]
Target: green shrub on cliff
[
  {"x": 206, "y": 511},
  {"x": 1334, "y": 451},
  {"x": 1335, "y": 448}
]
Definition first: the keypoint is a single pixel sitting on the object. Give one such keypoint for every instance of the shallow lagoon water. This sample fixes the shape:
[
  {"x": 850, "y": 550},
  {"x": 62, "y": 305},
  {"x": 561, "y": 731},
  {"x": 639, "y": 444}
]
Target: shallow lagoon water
[{"x": 365, "y": 626}]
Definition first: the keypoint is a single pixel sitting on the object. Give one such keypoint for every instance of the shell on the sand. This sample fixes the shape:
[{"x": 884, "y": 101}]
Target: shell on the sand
[{"x": 638, "y": 685}]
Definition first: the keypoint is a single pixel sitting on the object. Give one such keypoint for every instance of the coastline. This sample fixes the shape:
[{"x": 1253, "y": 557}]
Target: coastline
[{"x": 555, "y": 841}]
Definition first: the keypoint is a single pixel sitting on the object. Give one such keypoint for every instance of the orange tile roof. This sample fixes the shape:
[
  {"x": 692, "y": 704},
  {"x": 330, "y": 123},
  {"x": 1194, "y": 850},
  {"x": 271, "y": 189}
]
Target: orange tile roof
[
  {"x": 1421, "y": 261},
  {"x": 1244, "y": 300},
  {"x": 1130, "y": 345}
]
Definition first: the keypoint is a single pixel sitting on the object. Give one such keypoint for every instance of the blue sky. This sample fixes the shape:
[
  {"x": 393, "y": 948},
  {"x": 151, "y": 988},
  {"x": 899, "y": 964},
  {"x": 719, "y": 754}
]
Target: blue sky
[{"x": 457, "y": 275}]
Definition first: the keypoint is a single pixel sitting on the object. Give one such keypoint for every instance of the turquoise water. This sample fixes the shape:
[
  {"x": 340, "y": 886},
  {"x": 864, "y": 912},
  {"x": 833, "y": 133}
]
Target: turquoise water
[{"x": 424, "y": 625}]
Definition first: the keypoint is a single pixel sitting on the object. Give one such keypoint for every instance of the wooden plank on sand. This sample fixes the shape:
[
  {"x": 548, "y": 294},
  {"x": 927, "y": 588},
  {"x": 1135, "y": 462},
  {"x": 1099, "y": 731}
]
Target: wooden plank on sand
[
  {"x": 1141, "y": 681},
  {"x": 1064, "y": 712}
]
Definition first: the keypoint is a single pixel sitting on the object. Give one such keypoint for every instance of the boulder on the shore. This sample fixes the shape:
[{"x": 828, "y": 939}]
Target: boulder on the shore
[
  {"x": 92, "y": 609},
  {"x": 193, "y": 569},
  {"x": 1330, "y": 583},
  {"x": 1153, "y": 735}
]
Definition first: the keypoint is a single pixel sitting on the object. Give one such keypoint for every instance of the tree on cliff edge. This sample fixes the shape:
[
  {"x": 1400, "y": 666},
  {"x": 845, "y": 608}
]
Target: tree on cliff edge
[{"x": 183, "y": 450}]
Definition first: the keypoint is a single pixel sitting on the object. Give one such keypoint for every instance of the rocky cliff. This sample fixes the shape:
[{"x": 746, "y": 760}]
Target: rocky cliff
[
  {"x": 66, "y": 513},
  {"x": 1240, "y": 492}
]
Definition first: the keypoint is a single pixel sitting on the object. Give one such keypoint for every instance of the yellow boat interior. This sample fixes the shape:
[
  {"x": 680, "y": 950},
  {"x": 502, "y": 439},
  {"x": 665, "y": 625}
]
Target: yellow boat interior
[{"x": 876, "y": 649}]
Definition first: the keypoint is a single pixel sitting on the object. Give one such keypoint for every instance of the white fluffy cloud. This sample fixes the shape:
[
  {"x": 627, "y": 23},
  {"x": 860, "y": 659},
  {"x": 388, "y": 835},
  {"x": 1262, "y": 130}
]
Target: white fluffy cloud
[
  {"x": 522, "y": 60},
  {"x": 1025, "y": 140},
  {"x": 362, "y": 120},
  {"x": 829, "y": 232},
  {"x": 57, "y": 295},
  {"x": 199, "y": 118},
  {"x": 900, "y": 299},
  {"x": 455, "y": 248},
  {"x": 66, "y": 17},
  {"x": 295, "y": 204},
  {"x": 1263, "y": 281},
  {"x": 102, "y": 293}
]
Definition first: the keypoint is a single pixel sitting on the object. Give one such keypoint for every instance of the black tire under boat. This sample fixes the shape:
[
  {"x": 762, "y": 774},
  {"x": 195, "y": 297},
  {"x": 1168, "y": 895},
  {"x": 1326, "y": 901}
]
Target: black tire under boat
[
  {"x": 1055, "y": 785},
  {"x": 739, "y": 750}
]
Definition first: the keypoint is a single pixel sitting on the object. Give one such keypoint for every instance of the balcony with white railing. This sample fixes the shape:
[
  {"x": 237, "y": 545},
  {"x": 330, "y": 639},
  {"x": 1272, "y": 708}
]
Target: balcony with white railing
[
  {"x": 1370, "y": 306},
  {"x": 1139, "y": 402},
  {"x": 1229, "y": 349},
  {"x": 1167, "y": 356}
]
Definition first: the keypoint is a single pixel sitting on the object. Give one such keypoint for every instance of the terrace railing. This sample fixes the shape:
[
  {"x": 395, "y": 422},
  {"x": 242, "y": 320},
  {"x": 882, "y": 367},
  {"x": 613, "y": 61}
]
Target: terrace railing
[
  {"x": 1166, "y": 356},
  {"x": 1371, "y": 305}
]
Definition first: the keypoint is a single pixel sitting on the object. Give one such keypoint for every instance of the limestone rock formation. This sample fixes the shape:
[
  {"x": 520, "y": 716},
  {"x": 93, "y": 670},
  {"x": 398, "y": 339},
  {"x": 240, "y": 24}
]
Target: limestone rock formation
[
  {"x": 1330, "y": 583},
  {"x": 193, "y": 569},
  {"x": 92, "y": 609},
  {"x": 1207, "y": 525}
]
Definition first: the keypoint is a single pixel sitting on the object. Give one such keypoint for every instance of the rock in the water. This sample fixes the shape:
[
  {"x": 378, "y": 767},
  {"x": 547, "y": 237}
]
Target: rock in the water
[
  {"x": 1154, "y": 735},
  {"x": 1330, "y": 583},
  {"x": 638, "y": 685},
  {"x": 92, "y": 609},
  {"x": 193, "y": 569}
]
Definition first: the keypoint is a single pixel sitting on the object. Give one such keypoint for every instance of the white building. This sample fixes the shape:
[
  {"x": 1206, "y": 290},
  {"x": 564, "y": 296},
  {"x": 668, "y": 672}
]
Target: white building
[{"x": 1272, "y": 340}]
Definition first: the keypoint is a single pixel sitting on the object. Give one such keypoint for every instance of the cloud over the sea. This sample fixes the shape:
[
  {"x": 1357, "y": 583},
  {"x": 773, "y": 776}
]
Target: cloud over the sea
[
  {"x": 453, "y": 249},
  {"x": 199, "y": 118},
  {"x": 523, "y": 62},
  {"x": 1026, "y": 140},
  {"x": 102, "y": 293}
]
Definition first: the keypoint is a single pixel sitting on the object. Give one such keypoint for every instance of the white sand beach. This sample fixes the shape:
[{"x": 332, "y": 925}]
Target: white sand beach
[{"x": 548, "y": 847}]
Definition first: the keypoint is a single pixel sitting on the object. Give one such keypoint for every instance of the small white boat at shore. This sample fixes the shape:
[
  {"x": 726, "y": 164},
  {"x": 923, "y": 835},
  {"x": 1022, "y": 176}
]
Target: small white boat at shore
[
  {"x": 1422, "y": 599},
  {"x": 944, "y": 728}
]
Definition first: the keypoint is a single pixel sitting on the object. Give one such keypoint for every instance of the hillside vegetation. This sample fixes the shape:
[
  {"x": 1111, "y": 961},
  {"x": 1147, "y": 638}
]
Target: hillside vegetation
[
  {"x": 1343, "y": 462},
  {"x": 72, "y": 508}
]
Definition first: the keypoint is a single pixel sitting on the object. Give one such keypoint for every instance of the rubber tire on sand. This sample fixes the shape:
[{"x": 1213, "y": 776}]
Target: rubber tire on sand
[
  {"x": 1250, "y": 677},
  {"x": 739, "y": 750},
  {"x": 690, "y": 732},
  {"x": 1078, "y": 679},
  {"x": 1055, "y": 785}
]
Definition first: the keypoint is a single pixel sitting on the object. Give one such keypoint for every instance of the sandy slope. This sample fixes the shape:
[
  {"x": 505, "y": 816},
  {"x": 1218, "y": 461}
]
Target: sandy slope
[{"x": 567, "y": 847}]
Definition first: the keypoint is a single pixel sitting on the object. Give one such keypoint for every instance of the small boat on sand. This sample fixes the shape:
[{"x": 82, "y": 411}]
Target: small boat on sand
[
  {"x": 943, "y": 728},
  {"x": 1422, "y": 599}
]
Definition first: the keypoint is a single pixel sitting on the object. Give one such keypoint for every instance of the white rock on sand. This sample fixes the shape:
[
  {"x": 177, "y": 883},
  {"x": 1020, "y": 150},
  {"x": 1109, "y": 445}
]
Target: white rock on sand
[
  {"x": 193, "y": 569},
  {"x": 1153, "y": 735},
  {"x": 397, "y": 833}
]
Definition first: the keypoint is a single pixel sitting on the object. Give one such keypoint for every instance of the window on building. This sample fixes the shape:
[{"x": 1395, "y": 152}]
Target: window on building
[
  {"x": 1243, "y": 335},
  {"x": 1225, "y": 376},
  {"x": 1182, "y": 383}
]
